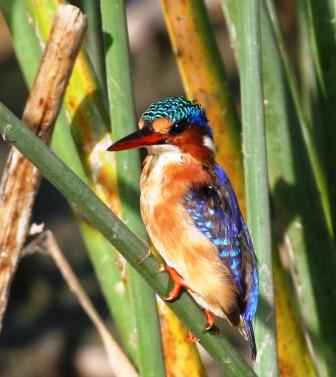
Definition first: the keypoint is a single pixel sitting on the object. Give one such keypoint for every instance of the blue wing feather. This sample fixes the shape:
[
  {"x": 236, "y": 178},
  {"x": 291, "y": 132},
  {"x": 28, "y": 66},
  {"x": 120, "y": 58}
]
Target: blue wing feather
[{"x": 215, "y": 211}]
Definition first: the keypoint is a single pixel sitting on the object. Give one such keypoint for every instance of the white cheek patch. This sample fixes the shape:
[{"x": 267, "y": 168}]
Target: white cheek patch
[
  {"x": 163, "y": 148},
  {"x": 207, "y": 142}
]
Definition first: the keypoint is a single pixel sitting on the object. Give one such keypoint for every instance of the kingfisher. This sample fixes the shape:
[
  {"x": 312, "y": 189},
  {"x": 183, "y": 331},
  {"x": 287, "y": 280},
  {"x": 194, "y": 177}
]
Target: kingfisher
[{"x": 192, "y": 215}]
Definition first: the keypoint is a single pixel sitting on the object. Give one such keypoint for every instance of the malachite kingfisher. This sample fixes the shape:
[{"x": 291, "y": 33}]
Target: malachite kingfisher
[{"x": 192, "y": 215}]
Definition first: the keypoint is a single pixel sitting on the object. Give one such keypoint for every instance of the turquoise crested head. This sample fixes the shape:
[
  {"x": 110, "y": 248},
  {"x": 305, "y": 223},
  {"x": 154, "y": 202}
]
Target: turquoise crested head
[
  {"x": 172, "y": 124},
  {"x": 178, "y": 110}
]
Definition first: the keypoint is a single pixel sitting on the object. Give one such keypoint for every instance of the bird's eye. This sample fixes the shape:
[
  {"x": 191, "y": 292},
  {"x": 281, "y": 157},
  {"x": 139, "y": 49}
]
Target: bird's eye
[{"x": 178, "y": 127}]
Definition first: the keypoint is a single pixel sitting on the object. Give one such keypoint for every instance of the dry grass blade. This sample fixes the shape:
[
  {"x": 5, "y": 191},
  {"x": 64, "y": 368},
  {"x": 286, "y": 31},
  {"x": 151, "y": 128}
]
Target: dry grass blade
[
  {"x": 21, "y": 179},
  {"x": 120, "y": 364}
]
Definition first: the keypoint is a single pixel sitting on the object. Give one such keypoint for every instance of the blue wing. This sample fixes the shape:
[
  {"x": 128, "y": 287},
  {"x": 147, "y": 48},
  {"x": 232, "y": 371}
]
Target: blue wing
[{"x": 215, "y": 211}]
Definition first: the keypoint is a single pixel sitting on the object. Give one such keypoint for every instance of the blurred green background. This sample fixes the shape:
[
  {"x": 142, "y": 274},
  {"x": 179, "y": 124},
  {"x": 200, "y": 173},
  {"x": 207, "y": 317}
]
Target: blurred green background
[{"x": 45, "y": 331}]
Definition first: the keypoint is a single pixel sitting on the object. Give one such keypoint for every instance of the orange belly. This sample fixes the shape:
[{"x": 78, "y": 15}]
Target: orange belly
[{"x": 183, "y": 246}]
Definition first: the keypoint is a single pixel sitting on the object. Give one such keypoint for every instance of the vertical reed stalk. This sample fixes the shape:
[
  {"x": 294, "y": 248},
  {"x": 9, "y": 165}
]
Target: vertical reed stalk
[
  {"x": 122, "y": 112},
  {"x": 256, "y": 178}
]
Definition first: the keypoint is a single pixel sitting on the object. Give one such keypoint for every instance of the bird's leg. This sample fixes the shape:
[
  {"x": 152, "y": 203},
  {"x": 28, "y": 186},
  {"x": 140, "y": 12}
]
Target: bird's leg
[
  {"x": 210, "y": 317},
  {"x": 178, "y": 283}
]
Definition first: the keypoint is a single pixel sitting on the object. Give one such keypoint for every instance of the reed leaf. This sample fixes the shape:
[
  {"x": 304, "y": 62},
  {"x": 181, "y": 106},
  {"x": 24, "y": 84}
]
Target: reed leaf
[
  {"x": 94, "y": 40},
  {"x": 317, "y": 166},
  {"x": 319, "y": 18},
  {"x": 256, "y": 178},
  {"x": 122, "y": 112},
  {"x": 307, "y": 77},
  {"x": 297, "y": 202},
  {"x": 295, "y": 185},
  {"x": 181, "y": 355},
  {"x": 293, "y": 354}
]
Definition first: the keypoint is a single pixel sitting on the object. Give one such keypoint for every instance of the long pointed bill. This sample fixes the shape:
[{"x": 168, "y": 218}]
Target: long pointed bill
[{"x": 138, "y": 139}]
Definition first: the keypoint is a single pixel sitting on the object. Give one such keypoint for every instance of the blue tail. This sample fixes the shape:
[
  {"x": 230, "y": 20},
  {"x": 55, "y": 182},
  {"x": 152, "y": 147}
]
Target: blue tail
[{"x": 250, "y": 337}]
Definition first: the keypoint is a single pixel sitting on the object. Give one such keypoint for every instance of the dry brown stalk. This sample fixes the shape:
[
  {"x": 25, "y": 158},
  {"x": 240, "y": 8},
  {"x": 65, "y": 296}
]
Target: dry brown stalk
[
  {"x": 21, "y": 179},
  {"x": 45, "y": 242}
]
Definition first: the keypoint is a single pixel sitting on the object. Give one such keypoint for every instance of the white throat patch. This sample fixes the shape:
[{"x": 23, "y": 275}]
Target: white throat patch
[
  {"x": 166, "y": 153},
  {"x": 207, "y": 142}
]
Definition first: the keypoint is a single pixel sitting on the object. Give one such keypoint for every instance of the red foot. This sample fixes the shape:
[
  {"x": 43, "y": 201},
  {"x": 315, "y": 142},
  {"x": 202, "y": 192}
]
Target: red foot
[
  {"x": 210, "y": 317},
  {"x": 178, "y": 283}
]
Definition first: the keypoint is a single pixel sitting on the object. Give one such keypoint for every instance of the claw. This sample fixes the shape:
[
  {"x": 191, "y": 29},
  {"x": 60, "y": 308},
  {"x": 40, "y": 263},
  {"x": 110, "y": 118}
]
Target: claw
[
  {"x": 162, "y": 268},
  {"x": 178, "y": 283},
  {"x": 210, "y": 317}
]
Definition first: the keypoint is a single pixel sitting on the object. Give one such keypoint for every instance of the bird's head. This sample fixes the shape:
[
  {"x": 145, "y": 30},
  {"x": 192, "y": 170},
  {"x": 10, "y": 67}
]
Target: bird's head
[{"x": 173, "y": 124}]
